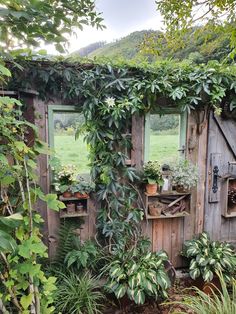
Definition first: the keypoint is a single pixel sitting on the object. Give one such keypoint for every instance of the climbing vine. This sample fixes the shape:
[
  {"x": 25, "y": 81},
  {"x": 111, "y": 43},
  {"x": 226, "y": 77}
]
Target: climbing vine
[
  {"x": 24, "y": 287},
  {"x": 109, "y": 95}
]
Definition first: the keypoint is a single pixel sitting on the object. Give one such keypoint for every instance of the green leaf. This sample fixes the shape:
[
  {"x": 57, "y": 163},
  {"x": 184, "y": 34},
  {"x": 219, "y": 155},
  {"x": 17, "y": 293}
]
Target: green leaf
[
  {"x": 29, "y": 268},
  {"x": 120, "y": 291},
  {"x": 207, "y": 275},
  {"x": 139, "y": 296},
  {"x": 4, "y": 71},
  {"x": 7, "y": 242},
  {"x": 26, "y": 301},
  {"x": 194, "y": 273},
  {"x": 53, "y": 202}
]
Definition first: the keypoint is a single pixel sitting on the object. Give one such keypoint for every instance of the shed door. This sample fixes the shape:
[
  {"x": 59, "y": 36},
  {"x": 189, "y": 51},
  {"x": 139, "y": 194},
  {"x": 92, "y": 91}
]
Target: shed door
[{"x": 220, "y": 212}]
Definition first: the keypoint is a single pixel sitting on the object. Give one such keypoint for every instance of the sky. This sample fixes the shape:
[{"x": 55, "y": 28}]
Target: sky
[{"x": 121, "y": 18}]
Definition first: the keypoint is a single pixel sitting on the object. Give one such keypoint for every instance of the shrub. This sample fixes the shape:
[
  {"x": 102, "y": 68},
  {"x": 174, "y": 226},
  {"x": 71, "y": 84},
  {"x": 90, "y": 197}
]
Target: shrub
[
  {"x": 138, "y": 275},
  {"x": 83, "y": 255},
  {"x": 207, "y": 257},
  {"x": 78, "y": 295}
]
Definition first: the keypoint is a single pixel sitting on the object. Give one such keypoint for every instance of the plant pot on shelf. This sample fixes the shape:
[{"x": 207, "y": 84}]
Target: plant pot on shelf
[
  {"x": 181, "y": 189},
  {"x": 67, "y": 194},
  {"x": 80, "y": 195},
  {"x": 155, "y": 209},
  {"x": 151, "y": 188},
  {"x": 80, "y": 208},
  {"x": 70, "y": 208}
]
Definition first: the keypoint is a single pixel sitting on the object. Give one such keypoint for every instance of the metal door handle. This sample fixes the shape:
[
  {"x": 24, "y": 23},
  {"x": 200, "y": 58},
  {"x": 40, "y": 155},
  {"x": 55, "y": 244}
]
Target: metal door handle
[{"x": 215, "y": 179}]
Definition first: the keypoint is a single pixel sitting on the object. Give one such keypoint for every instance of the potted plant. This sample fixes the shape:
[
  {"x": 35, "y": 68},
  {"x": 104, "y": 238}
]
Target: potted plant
[
  {"x": 152, "y": 176},
  {"x": 208, "y": 257},
  {"x": 184, "y": 176},
  {"x": 65, "y": 178},
  {"x": 82, "y": 188}
]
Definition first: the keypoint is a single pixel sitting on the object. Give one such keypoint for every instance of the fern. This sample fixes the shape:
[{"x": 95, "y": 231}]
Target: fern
[{"x": 66, "y": 244}]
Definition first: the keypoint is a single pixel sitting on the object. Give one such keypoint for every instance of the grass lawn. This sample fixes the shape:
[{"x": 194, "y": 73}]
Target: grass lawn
[
  {"x": 163, "y": 148},
  {"x": 71, "y": 151}
]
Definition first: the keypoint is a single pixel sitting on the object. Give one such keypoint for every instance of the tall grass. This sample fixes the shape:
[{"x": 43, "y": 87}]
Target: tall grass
[
  {"x": 219, "y": 302},
  {"x": 78, "y": 295}
]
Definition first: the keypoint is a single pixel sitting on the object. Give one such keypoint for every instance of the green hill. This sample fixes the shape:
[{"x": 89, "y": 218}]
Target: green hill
[{"x": 199, "y": 47}]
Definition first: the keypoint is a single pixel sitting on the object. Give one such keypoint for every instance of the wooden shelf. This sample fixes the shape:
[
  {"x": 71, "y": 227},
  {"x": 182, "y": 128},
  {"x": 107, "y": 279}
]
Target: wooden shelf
[
  {"x": 167, "y": 202},
  {"x": 229, "y": 215},
  {"x": 228, "y": 209},
  {"x": 166, "y": 194},
  {"x": 183, "y": 214},
  {"x": 71, "y": 215},
  {"x": 64, "y": 199},
  {"x": 76, "y": 201}
]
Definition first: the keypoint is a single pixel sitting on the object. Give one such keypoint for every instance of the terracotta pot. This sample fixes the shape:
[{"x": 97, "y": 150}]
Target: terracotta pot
[
  {"x": 80, "y": 208},
  {"x": 151, "y": 188},
  {"x": 70, "y": 208},
  {"x": 154, "y": 210},
  {"x": 80, "y": 195},
  {"x": 66, "y": 194},
  {"x": 208, "y": 287},
  {"x": 181, "y": 189}
]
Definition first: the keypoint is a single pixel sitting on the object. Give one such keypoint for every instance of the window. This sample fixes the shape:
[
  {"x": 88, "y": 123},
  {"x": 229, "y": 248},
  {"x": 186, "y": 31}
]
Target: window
[
  {"x": 165, "y": 137},
  {"x": 63, "y": 122}
]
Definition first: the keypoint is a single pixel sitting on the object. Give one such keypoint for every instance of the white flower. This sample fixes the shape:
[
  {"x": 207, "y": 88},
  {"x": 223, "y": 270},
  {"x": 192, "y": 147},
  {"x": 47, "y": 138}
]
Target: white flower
[{"x": 110, "y": 101}]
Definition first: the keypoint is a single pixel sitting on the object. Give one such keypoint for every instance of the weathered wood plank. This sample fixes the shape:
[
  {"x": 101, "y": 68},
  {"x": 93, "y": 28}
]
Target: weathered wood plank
[
  {"x": 226, "y": 127},
  {"x": 219, "y": 228},
  {"x": 202, "y": 166},
  {"x": 157, "y": 235},
  {"x": 177, "y": 238},
  {"x": 137, "y": 152}
]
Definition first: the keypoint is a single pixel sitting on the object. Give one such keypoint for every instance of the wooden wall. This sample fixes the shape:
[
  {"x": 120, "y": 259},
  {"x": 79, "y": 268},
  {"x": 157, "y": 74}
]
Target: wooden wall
[
  {"x": 168, "y": 234},
  {"x": 222, "y": 145}
]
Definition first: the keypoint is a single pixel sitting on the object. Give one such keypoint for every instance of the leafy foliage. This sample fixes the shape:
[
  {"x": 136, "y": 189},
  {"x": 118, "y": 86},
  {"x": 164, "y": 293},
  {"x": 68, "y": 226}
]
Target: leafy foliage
[
  {"x": 185, "y": 174},
  {"x": 152, "y": 172},
  {"x": 78, "y": 295},
  {"x": 220, "y": 302},
  {"x": 66, "y": 234},
  {"x": 137, "y": 274},
  {"x": 209, "y": 257},
  {"x": 29, "y": 22},
  {"x": 24, "y": 285},
  {"x": 213, "y": 14},
  {"x": 82, "y": 256}
]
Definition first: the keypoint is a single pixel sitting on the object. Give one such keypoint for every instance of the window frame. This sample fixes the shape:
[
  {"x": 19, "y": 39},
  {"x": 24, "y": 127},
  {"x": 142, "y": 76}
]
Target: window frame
[
  {"x": 182, "y": 132},
  {"x": 56, "y": 109}
]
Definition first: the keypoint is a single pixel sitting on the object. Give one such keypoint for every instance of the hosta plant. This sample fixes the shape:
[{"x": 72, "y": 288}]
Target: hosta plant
[
  {"x": 138, "y": 276},
  {"x": 208, "y": 257}
]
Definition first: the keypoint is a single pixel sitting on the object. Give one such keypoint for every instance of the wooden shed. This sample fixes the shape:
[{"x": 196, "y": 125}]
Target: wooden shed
[{"x": 207, "y": 140}]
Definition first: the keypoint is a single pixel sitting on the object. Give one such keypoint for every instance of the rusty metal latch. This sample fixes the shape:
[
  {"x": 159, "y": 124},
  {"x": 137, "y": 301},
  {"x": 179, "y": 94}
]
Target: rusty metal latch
[
  {"x": 215, "y": 179},
  {"x": 182, "y": 149}
]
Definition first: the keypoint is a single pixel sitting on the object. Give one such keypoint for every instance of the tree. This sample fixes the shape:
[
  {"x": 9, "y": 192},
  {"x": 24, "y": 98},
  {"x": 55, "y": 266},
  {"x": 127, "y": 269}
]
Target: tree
[
  {"x": 218, "y": 15},
  {"x": 29, "y": 22}
]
